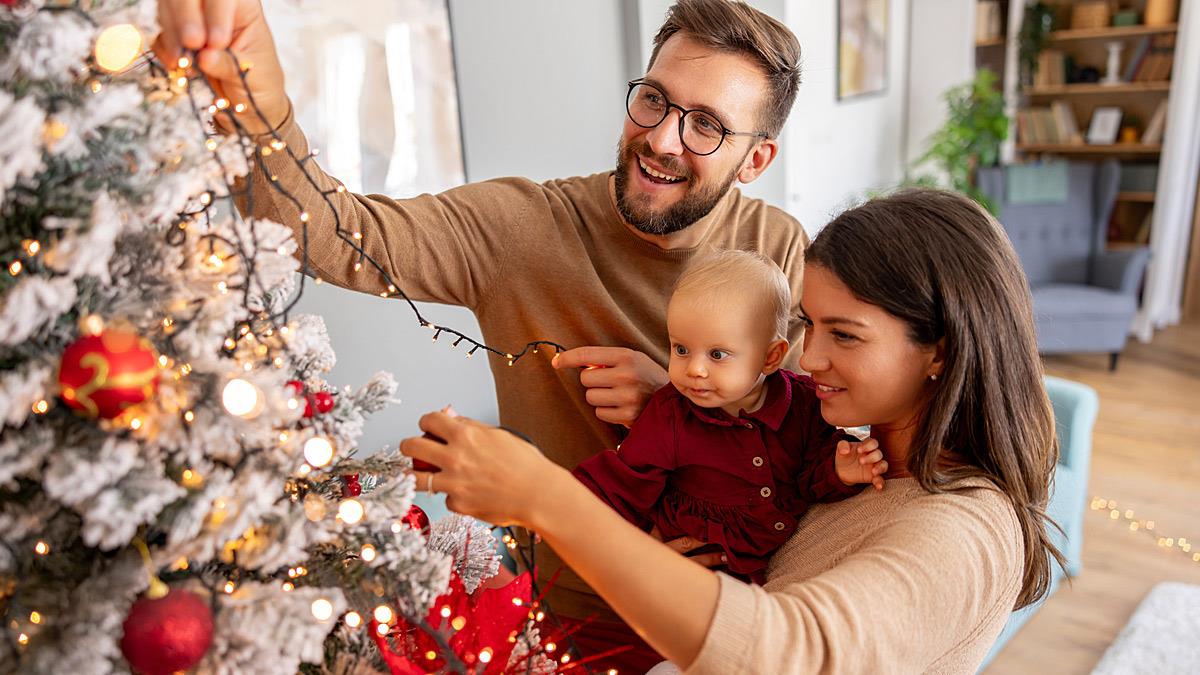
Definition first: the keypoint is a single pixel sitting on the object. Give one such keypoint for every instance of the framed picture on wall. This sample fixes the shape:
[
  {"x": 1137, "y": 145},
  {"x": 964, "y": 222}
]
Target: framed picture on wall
[
  {"x": 374, "y": 88},
  {"x": 862, "y": 47},
  {"x": 1106, "y": 122}
]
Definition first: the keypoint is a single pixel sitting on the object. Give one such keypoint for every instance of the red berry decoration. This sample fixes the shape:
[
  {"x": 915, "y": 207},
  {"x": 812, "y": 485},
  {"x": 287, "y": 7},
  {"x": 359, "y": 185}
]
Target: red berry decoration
[
  {"x": 417, "y": 519},
  {"x": 323, "y": 401},
  {"x": 101, "y": 375},
  {"x": 351, "y": 485},
  {"x": 168, "y": 634}
]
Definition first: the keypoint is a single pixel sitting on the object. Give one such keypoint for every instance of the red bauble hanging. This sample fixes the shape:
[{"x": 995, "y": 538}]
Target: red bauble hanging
[
  {"x": 323, "y": 402},
  {"x": 417, "y": 519},
  {"x": 101, "y": 375},
  {"x": 168, "y": 634},
  {"x": 350, "y": 485}
]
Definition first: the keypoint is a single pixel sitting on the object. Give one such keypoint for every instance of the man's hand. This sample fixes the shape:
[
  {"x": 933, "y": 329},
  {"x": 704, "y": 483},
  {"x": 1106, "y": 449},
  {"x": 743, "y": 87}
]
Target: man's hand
[
  {"x": 619, "y": 381},
  {"x": 211, "y": 26},
  {"x": 860, "y": 463}
]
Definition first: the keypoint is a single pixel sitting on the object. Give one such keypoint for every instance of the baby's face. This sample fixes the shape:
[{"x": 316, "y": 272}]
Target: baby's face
[{"x": 718, "y": 350}]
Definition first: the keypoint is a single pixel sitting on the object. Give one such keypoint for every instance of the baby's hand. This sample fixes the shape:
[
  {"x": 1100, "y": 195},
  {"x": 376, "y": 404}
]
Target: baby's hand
[{"x": 860, "y": 463}]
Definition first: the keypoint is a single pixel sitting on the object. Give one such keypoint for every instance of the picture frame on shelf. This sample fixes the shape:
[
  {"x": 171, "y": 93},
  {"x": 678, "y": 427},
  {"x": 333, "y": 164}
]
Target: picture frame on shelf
[{"x": 1104, "y": 126}]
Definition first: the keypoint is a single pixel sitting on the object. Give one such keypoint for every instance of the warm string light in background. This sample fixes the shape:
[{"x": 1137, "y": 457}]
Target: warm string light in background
[{"x": 1134, "y": 524}]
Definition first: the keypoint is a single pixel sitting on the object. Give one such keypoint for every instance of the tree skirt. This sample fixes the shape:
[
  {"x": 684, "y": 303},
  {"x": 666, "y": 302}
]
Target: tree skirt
[{"x": 1162, "y": 637}]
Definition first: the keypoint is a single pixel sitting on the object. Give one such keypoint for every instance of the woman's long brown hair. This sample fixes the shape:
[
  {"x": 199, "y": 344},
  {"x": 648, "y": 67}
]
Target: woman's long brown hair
[{"x": 944, "y": 266}]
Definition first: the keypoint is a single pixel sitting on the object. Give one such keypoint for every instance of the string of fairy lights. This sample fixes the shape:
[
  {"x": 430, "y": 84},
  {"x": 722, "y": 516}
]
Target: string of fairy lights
[
  {"x": 262, "y": 341},
  {"x": 1147, "y": 528}
]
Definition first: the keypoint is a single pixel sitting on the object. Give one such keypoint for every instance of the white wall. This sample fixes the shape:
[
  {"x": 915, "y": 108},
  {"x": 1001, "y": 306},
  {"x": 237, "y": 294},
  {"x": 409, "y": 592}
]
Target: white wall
[
  {"x": 941, "y": 55},
  {"x": 838, "y": 150}
]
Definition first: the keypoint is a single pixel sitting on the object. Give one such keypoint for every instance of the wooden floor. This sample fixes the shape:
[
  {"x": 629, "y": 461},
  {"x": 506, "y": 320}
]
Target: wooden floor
[{"x": 1146, "y": 456}]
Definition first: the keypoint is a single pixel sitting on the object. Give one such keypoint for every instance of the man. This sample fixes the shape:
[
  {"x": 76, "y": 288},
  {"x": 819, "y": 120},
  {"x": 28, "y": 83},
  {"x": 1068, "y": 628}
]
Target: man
[{"x": 587, "y": 262}]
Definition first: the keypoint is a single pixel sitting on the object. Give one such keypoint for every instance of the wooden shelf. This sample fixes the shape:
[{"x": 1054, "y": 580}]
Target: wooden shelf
[
  {"x": 1135, "y": 197},
  {"x": 1099, "y": 89},
  {"x": 994, "y": 42},
  {"x": 1110, "y": 33},
  {"x": 1087, "y": 149}
]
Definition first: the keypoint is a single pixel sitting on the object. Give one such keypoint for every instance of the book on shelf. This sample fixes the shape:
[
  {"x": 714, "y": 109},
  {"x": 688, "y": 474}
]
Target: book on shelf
[
  {"x": 1054, "y": 125},
  {"x": 1154, "y": 128},
  {"x": 1064, "y": 123},
  {"x": 1136, "y": 58},
  {"x": 1155, "y": 66},
  {"x": 1052, "y": 69},
  {"x": 988, "y": 21},
  {"x": 1143, "y": 232}
]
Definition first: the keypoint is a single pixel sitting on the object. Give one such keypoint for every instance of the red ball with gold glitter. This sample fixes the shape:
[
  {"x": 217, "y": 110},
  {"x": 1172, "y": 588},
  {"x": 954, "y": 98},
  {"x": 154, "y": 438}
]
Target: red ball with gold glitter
[
  {"x": 167, "y": 635},
  {"x": 416, "y": 519},
  {"x": 101, "y": 375}
]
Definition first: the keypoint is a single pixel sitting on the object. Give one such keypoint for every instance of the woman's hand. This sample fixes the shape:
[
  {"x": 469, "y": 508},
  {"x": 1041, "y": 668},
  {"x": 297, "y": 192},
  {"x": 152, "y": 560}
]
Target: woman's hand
[{"x": 486, "y": 472}]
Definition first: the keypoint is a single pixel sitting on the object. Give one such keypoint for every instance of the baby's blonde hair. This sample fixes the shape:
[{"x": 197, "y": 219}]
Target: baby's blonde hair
[{"x": 745, "y": 274}]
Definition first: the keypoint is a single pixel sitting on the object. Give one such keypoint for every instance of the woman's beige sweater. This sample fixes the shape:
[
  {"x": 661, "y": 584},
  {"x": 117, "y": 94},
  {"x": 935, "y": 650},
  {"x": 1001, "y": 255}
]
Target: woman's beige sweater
[{"x": 899, "y": 581}]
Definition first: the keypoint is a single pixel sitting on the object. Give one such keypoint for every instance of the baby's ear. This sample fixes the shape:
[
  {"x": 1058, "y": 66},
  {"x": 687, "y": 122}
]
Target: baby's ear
[{"x": 776, "y": 352}]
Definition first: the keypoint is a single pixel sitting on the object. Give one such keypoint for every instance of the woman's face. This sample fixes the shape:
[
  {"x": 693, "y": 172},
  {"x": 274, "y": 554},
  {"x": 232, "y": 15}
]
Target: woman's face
[{"x": 867, "y": 369}]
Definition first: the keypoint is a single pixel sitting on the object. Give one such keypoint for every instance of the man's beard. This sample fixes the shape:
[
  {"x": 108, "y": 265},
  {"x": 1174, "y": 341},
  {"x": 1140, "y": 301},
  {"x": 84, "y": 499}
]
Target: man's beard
[{"x": 696, "y": 203}]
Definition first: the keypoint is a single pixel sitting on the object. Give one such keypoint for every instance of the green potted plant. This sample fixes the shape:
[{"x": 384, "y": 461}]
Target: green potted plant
[
  {"x": 1035, "y": 33},
  {"x": 970, "y": 138}
]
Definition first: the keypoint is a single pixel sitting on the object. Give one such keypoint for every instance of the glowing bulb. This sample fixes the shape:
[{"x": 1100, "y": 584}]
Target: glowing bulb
[
  {"x": 31, "y": 246},
  {"x": 41, "y": 406},
  {"x": 485, "y": 656},
  {"x": 322, "y": 609},
  {"x": 288, "y": 587},
  {"x": 117, "y": 47},
  {"x": 353, "y": 619},
  {"x": 15, "y": 268},
  {"x": 23, "y": 639},
  {"x": 350, "y": 511},
  {"x": 459, "y": 622},
  {"x": 367, "y": 553},
  {"x": 383, "y": 614},
  {"x": 35, "y": 617},
  {"x": 241, "y": 398},
  {"x": 184, "y": 62},
  {"x": 229, "y": 587},
  {"x": 381, "y": 629},
  {"x": 41, "y": 548},
  {"x": 550, "y": 647},
  {"x": 397, "y": 528},
  {"x": 318, "y": 451}
]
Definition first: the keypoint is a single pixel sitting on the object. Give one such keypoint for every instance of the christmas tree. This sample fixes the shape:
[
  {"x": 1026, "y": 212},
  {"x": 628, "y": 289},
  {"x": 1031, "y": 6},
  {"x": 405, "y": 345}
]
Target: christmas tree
[{"x": 179, "y": 486}]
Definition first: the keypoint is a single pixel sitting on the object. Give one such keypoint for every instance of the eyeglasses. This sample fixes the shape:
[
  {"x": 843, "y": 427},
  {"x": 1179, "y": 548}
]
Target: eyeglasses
[{"x": 700, "y": 132}]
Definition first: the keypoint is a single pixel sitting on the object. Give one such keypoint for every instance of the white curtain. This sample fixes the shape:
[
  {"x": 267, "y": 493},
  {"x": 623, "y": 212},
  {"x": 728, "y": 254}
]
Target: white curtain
[{"x": 1170, "y": 234}]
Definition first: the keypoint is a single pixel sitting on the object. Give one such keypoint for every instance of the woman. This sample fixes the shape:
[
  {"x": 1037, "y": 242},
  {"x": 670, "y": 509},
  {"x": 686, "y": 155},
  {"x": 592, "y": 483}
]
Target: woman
[{"x": 920, "y": 326}]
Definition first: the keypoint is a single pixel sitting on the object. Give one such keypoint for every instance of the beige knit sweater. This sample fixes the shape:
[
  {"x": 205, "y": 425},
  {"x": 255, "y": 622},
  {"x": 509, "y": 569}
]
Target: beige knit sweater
[
  {"x": 899, "y": 581},
  {"x": 533, "y": 261}
]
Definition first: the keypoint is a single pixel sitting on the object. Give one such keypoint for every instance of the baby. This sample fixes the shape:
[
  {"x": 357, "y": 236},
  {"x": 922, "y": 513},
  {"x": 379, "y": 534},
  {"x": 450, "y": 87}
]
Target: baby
[{"x": 734, "y": 450}]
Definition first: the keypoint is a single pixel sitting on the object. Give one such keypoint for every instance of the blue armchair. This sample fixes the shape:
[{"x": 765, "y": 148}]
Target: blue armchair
[
  {"x": 1075, "y": 408},
  {"x": 1084, "y": 297}
]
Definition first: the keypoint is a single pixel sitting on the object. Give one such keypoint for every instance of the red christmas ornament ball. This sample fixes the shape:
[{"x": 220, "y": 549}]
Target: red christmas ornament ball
[
  {"x": 417, "y": 519},
  {"x": 101, "y": 375},
  {"x": 323, "y": 401},
  {"x": 353, "y": 488},
  {"x": 168, "y": 634},
  {"x": 422, "y": 465}
]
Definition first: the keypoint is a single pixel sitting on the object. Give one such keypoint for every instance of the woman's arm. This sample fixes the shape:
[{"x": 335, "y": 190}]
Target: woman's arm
[{"x": 491, "y": 474}]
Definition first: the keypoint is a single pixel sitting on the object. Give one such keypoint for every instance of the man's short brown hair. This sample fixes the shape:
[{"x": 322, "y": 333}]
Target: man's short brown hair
[{"x": 738, "y": 27}]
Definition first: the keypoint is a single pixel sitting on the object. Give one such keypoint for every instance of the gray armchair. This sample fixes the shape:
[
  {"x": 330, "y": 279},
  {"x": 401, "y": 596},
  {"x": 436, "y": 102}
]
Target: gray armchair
[{"x": 1084, "y": 297}]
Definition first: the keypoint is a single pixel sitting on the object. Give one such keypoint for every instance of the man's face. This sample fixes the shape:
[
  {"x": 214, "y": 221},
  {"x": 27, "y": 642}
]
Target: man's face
[{"x": 730, "y": 87}]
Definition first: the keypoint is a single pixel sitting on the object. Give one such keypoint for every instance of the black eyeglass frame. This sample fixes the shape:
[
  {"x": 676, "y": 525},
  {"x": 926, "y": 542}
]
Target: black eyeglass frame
[{"x": 683, "y": 113}]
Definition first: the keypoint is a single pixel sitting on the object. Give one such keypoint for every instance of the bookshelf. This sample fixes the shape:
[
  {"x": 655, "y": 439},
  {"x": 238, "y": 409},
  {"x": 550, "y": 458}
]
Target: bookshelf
[{"x": 1072, "y": 88}]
